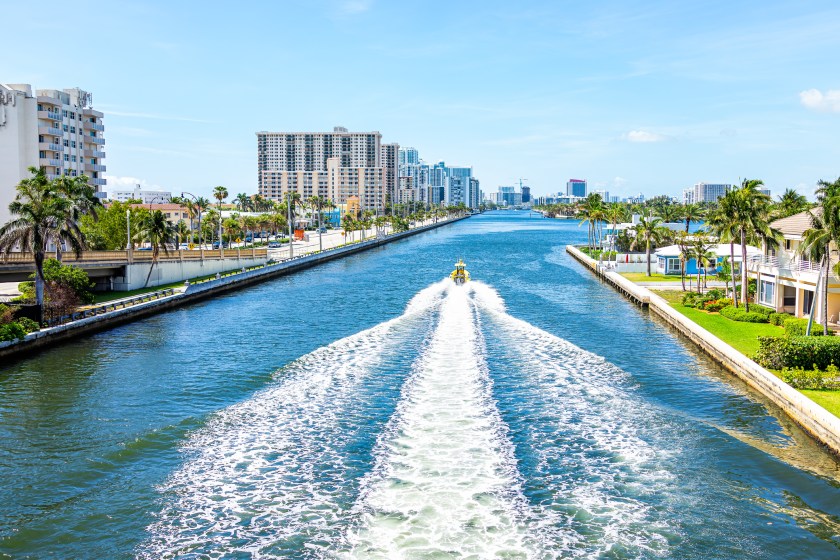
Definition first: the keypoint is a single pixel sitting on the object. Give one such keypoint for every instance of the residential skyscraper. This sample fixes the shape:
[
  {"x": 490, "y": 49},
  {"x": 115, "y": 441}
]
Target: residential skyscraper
[
  {"x": 409, "y": 156},
  {"x": 705, "y": 192},
  {"x": 391, "y": 170},
  {"x": 576, "y": 187},
  {"x": 335, "y": 164},
  {"x": 56, "y": 130},
  {"x": 526, "y": 194}
]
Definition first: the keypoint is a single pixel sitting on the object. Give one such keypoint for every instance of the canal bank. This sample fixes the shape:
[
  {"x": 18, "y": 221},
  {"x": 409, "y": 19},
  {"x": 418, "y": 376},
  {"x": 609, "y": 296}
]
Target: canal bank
[
  {"x": 44, "y": 338},
  {"x": 814, "y": 419}
]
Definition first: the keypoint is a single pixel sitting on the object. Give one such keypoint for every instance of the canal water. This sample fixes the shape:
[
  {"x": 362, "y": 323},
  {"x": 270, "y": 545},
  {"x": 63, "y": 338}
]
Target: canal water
[{"x": 367, "y": 408}]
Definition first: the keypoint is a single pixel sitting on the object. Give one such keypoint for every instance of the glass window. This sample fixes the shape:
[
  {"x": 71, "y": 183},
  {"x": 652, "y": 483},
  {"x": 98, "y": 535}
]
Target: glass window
[{"x": 766, "y": 292}]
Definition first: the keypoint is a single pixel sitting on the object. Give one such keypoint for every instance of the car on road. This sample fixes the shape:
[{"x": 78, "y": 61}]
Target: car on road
[{"x": 274, "y": 245}]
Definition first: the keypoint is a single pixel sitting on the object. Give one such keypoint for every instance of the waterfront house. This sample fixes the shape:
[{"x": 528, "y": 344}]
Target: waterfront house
[
  {"x": 668, "y": 259},
  {"x": 787, "y": 282}
]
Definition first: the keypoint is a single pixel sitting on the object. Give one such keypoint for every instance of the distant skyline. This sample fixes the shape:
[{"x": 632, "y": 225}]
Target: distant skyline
[{"x": 647, "y": 97}]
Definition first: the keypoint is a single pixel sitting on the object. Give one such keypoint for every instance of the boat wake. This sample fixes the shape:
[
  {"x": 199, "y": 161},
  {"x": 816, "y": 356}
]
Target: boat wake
[{"x": 454, "y": 430}]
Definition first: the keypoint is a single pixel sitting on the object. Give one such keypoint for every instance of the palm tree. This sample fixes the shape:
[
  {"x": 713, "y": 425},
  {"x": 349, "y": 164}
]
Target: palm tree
[
  {"x": 243, "y": 202},
  {"x": 155, "y": 228},
  {"x": 182, "y": 231},
  {"x": 682, "y": 243},
  {"x": 751, "y": 209},
  {"x": 692, "y": 213},
  {"x": 201, "y": 205},
  {"x": 815, "y": 246},
  {"x": 83, "y": 201},
  {"x": 648, "y": 231},
  {"x": 230, "y": 227},
  {"x": 790, "y": 203},
  {"x": 41, "y": 213},
  {"x": 724, "y": 225},
  {"x": 220, "y": 193},
  {"x": 703, "y": 256}
]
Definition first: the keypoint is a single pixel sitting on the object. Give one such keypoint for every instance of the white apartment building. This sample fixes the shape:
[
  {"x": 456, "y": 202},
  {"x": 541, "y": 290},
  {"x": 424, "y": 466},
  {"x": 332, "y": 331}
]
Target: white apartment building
[
  {"x": 787, "y": 282},
  {"x": 56, "y": 130},
  {"x": 147, "y": 196},
  {"x": 704, "y": 192},
  {"x": 391, "y": 170},
  {"x": 334, "y": 164}
]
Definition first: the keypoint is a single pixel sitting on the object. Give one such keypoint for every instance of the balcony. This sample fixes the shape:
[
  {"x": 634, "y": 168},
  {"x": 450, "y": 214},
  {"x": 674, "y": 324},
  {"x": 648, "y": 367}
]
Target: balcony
[
  {"x": 94, "y": 153},
  {"x": 52, "y": 115},
  {"x": 98, "y": 182},
  {"x": 49, "y": 131},
  {"x": 50, "y": 147},
  {"x": 94, "y": 140},
  {"x": 787, "y": 266},
  {"x": 93, "y": 126},
  {"x": 49, "y": 162},
  {"x": 94, "y": 167}
]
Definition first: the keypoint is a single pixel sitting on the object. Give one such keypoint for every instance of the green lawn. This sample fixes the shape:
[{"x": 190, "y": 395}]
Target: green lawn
[
  {"x": 829, "y": 400},
  {"x": 654, "y": 277},
  {"x": 741, "y": 336}
]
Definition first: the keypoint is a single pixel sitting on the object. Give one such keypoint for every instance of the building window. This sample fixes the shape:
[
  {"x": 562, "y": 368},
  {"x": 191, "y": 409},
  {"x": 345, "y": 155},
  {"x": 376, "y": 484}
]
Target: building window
[{"x": 766, "y": 293}]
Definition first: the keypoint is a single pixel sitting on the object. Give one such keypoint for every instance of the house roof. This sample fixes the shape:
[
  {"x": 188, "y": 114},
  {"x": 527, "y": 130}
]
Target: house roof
[
  {"x": 794, "y": 226},
  {"x": 721, "y": 250}
]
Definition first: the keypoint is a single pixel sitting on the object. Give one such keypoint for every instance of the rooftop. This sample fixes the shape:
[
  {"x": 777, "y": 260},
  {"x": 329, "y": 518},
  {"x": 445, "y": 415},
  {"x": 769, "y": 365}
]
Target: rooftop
[{"x": 794, "y": 226}]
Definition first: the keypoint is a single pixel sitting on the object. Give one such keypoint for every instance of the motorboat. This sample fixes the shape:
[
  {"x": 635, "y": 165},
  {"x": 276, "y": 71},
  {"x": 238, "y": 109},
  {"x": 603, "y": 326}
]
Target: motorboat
[{"x": 460, "y": 274}]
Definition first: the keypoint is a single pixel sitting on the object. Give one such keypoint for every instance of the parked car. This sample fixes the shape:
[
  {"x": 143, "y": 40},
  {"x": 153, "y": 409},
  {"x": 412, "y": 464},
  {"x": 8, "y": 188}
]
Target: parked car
[
  {"x": 274, "y": 245},
  {"x": 216, "y": 245},
  {"x": 322, "y": 230}
]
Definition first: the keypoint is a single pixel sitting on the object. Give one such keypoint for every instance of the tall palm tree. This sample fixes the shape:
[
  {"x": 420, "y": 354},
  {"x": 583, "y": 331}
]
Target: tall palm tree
[
  {"x": 243, "y": 202},
  {"x": 701, "y": 250},
  {"x": 82, "y": 201},
  {"x": 790, "y": 203},
  {"x": 649, "y": 232},
  {"x": 230, "y": 227},
  {"x": 182, "y": 230},
  {"x": 692, "y": 213},
  {"x": 155, "y": 228},
  {"x": 815, "y": 246},
  {"x": 683, "y": 245},
  {"x": 201, "y": 205},
  {"x": 220, "y": 193},
  {"x": 751, "y": 208},
  {"x": 40, "y": 213},
  {"x": 723, "y": 224}
]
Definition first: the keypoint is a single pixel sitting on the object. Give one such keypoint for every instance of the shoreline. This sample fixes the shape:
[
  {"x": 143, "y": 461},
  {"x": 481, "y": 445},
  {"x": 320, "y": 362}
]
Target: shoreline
[
  {"x": 820, "y": 424},
  {"x": 48, "y": 337}
]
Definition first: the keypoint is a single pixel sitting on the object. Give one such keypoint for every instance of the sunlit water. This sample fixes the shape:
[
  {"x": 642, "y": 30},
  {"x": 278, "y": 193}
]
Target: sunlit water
[{"x": 369, "y": 409}]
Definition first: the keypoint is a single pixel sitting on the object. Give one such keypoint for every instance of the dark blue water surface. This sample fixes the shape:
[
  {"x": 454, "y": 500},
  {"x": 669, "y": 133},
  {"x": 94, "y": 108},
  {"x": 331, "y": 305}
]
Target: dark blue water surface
[{"x": 338, "y": 412}]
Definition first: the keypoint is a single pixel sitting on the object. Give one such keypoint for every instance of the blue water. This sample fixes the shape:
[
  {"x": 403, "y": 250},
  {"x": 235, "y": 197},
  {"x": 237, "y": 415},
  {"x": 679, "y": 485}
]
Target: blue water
[{"x": 368, "y": 409}]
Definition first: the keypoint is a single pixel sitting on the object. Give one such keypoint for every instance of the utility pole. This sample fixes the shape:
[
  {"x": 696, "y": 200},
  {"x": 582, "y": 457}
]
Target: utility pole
[{"x": 289, "y": 214}]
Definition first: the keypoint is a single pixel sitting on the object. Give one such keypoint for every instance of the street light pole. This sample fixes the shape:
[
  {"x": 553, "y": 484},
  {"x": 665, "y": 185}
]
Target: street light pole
[{"x": 289, "y": 214}]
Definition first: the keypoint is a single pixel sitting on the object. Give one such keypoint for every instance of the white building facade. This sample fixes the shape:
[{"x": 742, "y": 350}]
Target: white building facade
[
  {"x": 705, "y": 192},
  {"x": 146, "y": 196},
  {"x": 56, "y": 130}
]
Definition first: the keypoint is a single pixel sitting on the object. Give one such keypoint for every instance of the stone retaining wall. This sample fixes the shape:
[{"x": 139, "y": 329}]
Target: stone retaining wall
[{"x": 814, "y": 419}]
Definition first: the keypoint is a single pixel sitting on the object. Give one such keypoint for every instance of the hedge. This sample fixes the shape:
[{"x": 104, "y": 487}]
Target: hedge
[
  {"x": 11, "y": 331},
  {"x": 806, "y": 352},
  {"x": 799, "y": 378},
  {"x": 798, "y": 327},
  {"x": 779, "y": 319},
  {"x": 738, "y": 314}
]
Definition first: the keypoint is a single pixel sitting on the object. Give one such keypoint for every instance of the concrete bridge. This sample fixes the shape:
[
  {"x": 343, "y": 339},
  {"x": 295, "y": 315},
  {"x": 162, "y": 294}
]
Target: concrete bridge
[{"x": 127, "y": 270}]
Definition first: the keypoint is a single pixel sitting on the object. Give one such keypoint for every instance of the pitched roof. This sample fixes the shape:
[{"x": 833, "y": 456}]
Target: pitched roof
[{"x": 796, "y": 225}]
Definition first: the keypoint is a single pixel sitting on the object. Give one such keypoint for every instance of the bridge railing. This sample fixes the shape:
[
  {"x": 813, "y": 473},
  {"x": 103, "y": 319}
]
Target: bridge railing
[
  {"x": 108, "y": 307},
  {"x": 138, "y": 255}
]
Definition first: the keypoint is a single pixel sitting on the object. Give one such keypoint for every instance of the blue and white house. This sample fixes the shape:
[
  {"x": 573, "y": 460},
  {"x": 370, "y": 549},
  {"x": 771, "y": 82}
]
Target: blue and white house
[{"x": 668, "y": 259}]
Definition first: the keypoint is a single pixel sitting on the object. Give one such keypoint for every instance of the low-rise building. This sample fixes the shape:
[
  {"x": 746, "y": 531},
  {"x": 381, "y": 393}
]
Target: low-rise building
[
  {"x": 787, "y": 281},
  {"x": 668, "y": 259},
  {"x": 144, "y": 195}
]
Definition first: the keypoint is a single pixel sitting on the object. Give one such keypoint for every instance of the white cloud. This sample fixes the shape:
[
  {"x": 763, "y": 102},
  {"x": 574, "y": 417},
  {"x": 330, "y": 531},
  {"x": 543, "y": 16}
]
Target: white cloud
[
  {"x": 154, "y": 116},
  {"x": 121, "y": 183},
  {"x": 354, "y": 6},
  {"x": 814, "y": 99},
  {"x": 619, "y": 182},
  {"x": 644, "y": 136}
]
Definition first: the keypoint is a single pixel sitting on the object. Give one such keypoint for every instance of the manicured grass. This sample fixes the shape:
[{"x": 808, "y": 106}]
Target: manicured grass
[
  {"x": 741, "y": 336},
  {"x": 829, "y": 400},
  {"x": 654, "y": 277}
]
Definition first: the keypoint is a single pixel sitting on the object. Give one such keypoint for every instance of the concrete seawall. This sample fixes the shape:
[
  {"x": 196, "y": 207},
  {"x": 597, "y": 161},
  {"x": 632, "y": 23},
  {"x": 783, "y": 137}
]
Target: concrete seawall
[
  {"x": 44, "y": 338},
  {"x": 814, "y": 419}
]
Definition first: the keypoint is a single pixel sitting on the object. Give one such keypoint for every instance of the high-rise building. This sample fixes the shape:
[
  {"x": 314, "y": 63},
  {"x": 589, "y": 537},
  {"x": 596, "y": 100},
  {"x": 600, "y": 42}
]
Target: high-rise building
[
  {"x": 409, "y": 156},
  {"x": 391, "y": 170},
  {"x": 605, "y": 195},
  {"x": 576, "y": 187},
  {"x": 705, "y": 192},
  {"x": 56, "y": 130},
  {"x": 335, "y": 164},
  {"x": 526, "y": 194},
  {"x": 474, "y": 193}
]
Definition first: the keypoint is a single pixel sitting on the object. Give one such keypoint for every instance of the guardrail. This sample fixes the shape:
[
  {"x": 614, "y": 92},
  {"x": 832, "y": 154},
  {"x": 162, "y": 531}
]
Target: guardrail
[
  {"x": 138, "y": 255},
  {"x": 108, "y": 307}
]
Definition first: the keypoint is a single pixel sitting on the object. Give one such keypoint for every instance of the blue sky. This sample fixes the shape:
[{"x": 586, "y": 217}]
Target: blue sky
[{"x": 644, "y": 97}]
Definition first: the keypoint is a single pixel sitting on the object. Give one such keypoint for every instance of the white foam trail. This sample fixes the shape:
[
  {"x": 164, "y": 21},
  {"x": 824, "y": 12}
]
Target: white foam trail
[
  {"x": 445, "y": 483},
  {"x": 271, "y": 468},
  {"x": 599, "y": 467}
]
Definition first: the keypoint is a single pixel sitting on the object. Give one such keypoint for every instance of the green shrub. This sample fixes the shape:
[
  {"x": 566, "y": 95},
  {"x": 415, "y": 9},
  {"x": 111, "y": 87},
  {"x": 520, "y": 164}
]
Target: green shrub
[
  {"x": 798, "y": 327},
  {"x": 713, "y": 294},
  {"x": 738, "y": 314},
  {"x": 778, "y": 319},
  {"x": 716, "y": 305},
  {"x": 6, "y": 314},
  {"x": 28, "y": 325},
  {"x": 690, "y": 299},
  {"x": 778, "y": 352},
  {"x": 766, "y": 311},
  {"x": 11, "y": 331},
  {"x": 800, "y": 378}
]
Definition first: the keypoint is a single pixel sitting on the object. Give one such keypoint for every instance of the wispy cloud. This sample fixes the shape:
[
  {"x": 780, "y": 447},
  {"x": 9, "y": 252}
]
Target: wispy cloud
[
  {"x": 352, "y": 7},
  {"x": 117, "y": 182},
  {"x": 814, "y": 99},
  {"x": 153, "y": 116},
  {"x": 643, "y": 136}
]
